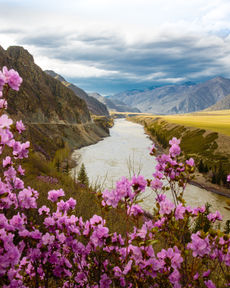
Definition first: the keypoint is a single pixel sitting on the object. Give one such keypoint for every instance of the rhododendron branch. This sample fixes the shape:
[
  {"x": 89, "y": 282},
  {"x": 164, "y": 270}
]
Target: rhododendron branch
[{"x": 43, "y": 247}]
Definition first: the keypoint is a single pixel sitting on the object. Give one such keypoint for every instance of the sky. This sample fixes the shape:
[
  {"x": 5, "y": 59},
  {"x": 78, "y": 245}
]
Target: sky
[{"x": 108, "y": 46}]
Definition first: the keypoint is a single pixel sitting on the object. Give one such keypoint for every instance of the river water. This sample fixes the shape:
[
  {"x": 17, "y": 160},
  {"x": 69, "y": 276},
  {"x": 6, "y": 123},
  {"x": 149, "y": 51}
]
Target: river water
[{"x": 126, "y": 153}]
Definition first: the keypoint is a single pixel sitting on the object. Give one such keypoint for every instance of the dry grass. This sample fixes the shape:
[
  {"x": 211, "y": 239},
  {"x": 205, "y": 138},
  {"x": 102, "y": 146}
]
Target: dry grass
[{"x": 216, "y": 121}]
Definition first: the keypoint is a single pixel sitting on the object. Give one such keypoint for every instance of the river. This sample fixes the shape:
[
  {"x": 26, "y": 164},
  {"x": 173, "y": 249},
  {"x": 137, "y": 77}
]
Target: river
[{"x": 126, "y": 153}]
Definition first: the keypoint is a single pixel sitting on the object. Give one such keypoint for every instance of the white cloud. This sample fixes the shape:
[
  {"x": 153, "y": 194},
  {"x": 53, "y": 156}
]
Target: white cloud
[
  {"x": 137, "y": 40},
  {"x": 69, "y": 69}
]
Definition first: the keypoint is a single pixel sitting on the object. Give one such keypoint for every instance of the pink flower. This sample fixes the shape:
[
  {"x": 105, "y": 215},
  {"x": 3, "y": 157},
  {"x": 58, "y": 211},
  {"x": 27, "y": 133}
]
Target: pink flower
[
  {"x": 18, "y": 221},
  {"x": 99, "y": 234},
  {"x": 190, "y": 162},
  {"x": 158, "y": 175},
  {"x": 20, "y": 170},
  {"x": 174, "y": 278},
  {"x": 152, "y": 149},
  {"x": 105, "y": 282},
  {"x": 199, "y": 246},
  {"x": 48, "y": 239},
  {"x": 43, "y": 209},
  {"x": 174, "y": 141},
  {"x": 173, "y": 254},
  {"x": 128, "y": 267},
  {"x": 209, "y": 284},
  {"x": 7, "y": 161},
  {"x": 196, "y": 276},
  {"x": 206, "y": 273},
  {"x": 139, "y": 182},
  {"x": 53, "y": 195},
  {"x": 49, "y": 221},
  {"x": 135, "y": 210},
  {"x": 3, "y": 102},
  {"x": 180, "y": 210},
  {"x": 63, "y": 206},
  {"x": 228, "y": 178},
  {"x": 12, "y": 78},
  {"x": 214, "y": 216},
  {"x": 161, "y": 197},
  {"x": 96, "y": 220},
  {"x": 72, "y": 203},
  {"x": 2, "y": 80},
  {"x": 27, "y": 198},
  {"x": 174, "y": 150},
  {"x": 166, "y": 207},
  {"x": 5, "y": 121},
  {"x": 156, "y": 184},
  {"x": 160, "y": 222},
  {"x": 20, "y": 126}
]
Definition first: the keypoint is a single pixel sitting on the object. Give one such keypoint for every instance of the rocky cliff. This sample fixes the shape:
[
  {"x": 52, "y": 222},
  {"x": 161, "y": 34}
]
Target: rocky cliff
[
  {"x": 52, "y": 112},
  {"x": 94, "y": 106}
]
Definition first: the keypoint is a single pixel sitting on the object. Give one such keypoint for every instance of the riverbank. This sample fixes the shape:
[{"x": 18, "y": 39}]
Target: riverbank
[{"x": 201, "y": 180}]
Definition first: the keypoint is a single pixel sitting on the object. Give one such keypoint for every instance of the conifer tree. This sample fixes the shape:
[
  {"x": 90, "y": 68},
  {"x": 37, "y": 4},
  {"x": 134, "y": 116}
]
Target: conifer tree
[
  {"x": 82, "y": 176},
  {"x": 201, "y": 166}
]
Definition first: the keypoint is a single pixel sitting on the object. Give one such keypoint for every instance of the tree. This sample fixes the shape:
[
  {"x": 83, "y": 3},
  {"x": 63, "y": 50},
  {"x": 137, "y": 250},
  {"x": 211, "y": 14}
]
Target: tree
[
  {"x": 82, "y": 176},
  {"x": 201, "y": 166}
]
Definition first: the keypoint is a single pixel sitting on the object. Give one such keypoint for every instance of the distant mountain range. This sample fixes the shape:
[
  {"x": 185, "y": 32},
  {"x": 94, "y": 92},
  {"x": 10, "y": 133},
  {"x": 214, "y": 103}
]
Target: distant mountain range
[
  {"x": 94, "y": 106},
  {"x": 173, "y": 99},
  {"x": 221, "y": 105},
  {"x": 114, "y": 105}
]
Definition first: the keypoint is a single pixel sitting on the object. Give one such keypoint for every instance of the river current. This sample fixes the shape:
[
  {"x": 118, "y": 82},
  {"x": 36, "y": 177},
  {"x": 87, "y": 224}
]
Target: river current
[{"x": 126, "y": 153}]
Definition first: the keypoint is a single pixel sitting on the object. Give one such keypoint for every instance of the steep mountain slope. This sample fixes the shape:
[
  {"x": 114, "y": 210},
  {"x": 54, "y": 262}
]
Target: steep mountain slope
[
  {"x": 221, "y": 105},
  {"x": 171, "y": 99},
  {"x": 52, "y": 112},
  {"x": 114, "y": 105},
  {"x": 94, "y": 106}
]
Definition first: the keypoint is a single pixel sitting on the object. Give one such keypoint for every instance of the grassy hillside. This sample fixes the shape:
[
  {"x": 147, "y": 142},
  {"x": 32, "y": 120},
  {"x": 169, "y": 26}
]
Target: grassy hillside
[
  {"x": 205, "y": 136},
  {"x": 44, "y": 176},
  {"x": 217, "y": 121}
]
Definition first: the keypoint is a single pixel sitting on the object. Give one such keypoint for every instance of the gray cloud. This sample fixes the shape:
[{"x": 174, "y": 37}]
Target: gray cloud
[
  {"x": 45, "y": 41},
  {"x": 137, "y": 64},
  {"x": 174, "y": 57}
]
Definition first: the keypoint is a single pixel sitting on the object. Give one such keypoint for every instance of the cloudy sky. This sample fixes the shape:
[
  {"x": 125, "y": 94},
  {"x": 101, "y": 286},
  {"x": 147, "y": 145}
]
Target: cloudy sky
[{"x": 114, "y": 45}]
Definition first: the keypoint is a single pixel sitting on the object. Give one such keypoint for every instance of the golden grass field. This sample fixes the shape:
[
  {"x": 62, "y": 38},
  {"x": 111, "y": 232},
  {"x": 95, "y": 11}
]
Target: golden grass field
[{"x": 217, "y": 121}]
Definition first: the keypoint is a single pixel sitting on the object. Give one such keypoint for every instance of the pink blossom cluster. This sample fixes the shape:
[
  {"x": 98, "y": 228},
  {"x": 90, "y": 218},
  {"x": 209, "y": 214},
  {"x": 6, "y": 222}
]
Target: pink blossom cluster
[
  {"x": 125, "y": 190},
  {"x": 10, "y": 77},
  {"x": 49, "y": 246}
]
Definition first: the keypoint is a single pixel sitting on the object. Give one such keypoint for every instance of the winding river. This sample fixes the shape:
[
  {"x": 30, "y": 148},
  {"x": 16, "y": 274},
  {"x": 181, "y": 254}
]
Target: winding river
[{"x": 125, "y": 153}]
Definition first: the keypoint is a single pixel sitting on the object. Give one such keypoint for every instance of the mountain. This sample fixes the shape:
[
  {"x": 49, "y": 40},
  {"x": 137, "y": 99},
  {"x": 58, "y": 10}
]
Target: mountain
[
  {"x": 221, "y": 105},
  {"x": 53, "y": 114},
  {"x": 94, "y": 106},
  {"x": 114, "y": 105},
  {"x": 173, "y": 99}
]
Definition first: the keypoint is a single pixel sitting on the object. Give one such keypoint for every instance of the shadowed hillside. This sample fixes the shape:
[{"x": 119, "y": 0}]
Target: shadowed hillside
[
  {"x": 52, "y": 112},
  {"x": 94, "y": 106}
]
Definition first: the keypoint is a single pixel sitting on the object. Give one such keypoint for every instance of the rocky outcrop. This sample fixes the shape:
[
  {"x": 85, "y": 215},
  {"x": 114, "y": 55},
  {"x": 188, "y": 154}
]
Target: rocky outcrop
[
  {"x": 52, "y": 112},
  {"x": 94, "y": 106}
]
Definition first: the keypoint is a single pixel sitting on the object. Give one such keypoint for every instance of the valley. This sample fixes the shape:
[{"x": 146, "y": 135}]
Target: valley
[{"x": 204, "y": 136}]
